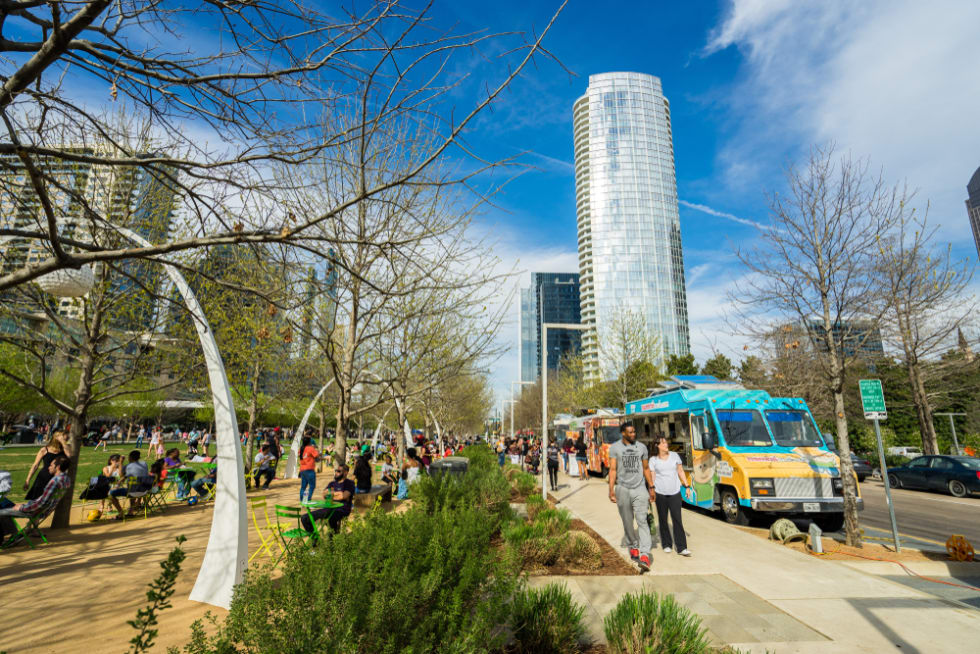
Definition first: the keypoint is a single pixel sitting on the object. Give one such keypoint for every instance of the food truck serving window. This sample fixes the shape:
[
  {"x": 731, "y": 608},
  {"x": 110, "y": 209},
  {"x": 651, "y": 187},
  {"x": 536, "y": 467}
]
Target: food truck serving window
[
  {"x": 744, "y": 428},
  {"x": 793, "y": 429}
]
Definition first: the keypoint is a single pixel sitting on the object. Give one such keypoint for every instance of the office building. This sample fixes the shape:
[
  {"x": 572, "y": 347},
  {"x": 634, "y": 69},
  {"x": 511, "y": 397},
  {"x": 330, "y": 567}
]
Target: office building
[
  {"x": 80, "y": 193},
  {"x": 551, "y": 298},
  {"x": 629, "y": 238},
  {"x": 973, "y": 207}
]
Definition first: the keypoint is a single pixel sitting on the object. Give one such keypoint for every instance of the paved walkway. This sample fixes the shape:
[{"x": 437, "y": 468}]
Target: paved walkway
[{"x": 760, "y": 596}]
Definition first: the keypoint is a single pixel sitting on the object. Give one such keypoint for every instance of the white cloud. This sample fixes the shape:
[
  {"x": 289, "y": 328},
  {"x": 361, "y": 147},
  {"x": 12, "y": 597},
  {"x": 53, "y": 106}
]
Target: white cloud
[
  {"x": 721, "y": 214},
  {"x": 893, "y": 80}
]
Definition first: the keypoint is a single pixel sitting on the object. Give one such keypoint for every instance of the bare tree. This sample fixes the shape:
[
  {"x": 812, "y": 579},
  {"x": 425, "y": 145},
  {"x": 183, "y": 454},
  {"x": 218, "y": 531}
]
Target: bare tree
[
  {"x": 814, "y": 265},
  {"x": 632, "y": 355},
  {"x": 927, "y": 304},
  {"x": 218, "y": 115}
]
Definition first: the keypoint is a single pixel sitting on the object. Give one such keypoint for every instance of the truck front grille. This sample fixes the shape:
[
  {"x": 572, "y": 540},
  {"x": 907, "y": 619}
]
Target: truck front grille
[{"x": 804, "y": 487}]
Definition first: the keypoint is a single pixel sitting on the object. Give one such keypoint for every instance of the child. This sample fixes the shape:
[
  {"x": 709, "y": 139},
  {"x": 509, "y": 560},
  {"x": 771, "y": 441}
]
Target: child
[{"x": 388, "y": 471}]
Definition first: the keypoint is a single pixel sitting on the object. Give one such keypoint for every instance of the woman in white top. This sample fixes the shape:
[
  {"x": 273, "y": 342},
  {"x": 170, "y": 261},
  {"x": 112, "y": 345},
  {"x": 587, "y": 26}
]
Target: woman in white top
[{"x": 668, "y": 478}]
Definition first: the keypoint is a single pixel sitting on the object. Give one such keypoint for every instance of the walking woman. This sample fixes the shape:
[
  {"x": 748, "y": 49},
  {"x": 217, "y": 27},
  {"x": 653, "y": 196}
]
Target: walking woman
[
  {"x": 307, "y": 468},
  {"x": 668, "y": 478}
]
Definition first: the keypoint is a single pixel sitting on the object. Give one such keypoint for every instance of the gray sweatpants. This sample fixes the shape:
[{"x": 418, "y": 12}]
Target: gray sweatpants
[{"x": 633, "y": 504}]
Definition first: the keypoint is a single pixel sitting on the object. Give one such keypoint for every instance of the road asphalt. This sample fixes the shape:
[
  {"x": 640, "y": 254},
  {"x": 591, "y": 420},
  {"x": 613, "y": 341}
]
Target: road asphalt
[{"x": 927, "y": 516}]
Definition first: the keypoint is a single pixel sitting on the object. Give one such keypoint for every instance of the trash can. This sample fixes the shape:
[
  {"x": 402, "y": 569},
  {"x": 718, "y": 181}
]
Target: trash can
[{"x": 453, "y": 465}]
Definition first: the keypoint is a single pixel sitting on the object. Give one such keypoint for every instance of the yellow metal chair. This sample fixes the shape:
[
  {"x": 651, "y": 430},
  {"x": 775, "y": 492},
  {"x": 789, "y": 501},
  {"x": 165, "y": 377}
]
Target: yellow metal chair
[{"x": 267, "y": 535}]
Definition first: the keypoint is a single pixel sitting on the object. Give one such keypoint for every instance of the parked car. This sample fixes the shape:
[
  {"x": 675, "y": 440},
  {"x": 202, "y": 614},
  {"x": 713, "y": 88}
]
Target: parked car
[
  {"x": 958, "y": 475},
  {"x": 862, "y": 468}
]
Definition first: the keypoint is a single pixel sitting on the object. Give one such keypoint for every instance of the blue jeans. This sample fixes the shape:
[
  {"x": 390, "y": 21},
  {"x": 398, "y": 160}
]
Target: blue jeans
[{"x": 307, "y": 479}]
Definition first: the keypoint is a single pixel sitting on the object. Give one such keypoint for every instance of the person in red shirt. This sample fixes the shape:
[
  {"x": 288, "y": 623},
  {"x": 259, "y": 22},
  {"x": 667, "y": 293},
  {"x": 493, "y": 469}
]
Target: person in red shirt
[{"x": 308, "y": 456}]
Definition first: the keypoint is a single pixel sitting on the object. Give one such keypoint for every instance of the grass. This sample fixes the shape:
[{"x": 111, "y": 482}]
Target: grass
[{"x": 18, "y": 460}]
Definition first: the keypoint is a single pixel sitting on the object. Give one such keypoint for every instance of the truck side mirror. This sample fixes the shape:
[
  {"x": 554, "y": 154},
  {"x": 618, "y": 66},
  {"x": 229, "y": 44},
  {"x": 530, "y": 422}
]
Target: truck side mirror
[{"x": 708, "y": 441}]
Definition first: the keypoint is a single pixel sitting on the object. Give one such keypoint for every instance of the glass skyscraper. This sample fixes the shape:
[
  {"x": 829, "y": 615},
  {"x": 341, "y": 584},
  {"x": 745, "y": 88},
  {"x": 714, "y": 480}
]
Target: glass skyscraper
[
  {"x": 973, "y": 207},
  {"x": 552, "y": 297},
  {"x": 629, "y": 237}
]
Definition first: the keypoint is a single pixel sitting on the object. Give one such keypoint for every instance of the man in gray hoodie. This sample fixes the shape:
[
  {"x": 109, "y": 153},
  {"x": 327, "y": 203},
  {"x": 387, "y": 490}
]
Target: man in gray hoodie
[{"x": 630, "y": 485}]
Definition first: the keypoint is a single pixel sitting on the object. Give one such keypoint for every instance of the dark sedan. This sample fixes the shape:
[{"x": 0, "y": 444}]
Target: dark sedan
[
  {"x": 957, "y": 475},
  {"x": 862, "y": 468}
]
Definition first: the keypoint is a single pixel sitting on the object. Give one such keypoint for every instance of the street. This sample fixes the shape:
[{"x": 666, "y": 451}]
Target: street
[{"x": 921, "y": 514}]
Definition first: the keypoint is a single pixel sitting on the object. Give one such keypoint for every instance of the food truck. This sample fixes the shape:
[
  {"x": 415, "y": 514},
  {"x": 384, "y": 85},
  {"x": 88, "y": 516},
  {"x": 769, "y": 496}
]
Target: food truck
[
  {"x": 600, "y": 430},
  {"x": 744, "y": 450}
]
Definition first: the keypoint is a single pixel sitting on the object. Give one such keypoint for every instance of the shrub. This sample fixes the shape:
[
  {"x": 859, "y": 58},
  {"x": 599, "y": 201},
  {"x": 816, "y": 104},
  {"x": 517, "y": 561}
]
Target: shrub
[
  {"x": 896, "y": 460},
  {"x": 535, "y": 504},
  {"x": 410, "y": 582},
  {"x": 554, "y": 521},
  {"x": 481, "y": 486},
  {"x": 582, "y": 552},
  {"x": 516, "y": 534},
  {"x": 523, "y": 483},
  {"x": 542, "y": 551},
  {"x": 647, "y": 623},
  {"x": 547, "y": 621}
]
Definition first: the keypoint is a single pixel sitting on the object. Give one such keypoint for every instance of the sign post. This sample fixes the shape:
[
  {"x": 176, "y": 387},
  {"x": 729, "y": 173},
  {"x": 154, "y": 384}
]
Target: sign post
[{"x": 873, "y": 402}]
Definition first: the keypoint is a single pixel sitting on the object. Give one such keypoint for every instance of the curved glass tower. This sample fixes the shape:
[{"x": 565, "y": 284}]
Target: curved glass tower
[{"x": 629, "y": 237}]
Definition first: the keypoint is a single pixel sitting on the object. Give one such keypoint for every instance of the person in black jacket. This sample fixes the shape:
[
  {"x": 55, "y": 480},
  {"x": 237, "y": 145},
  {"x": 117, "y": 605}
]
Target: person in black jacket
[{"x": 362, "y": 473}]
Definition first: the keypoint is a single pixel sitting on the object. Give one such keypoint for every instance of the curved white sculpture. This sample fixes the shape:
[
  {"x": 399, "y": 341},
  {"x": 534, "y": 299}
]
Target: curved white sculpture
[
  {"x": 68, "y": 282},
  {"x": 227, "y": 553},
  {"x": 291, "y": 472}
]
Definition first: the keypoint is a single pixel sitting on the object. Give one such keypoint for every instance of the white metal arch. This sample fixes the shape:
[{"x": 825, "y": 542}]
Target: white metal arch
[
  {"x": 227, "y": 552},
  {"x": 291, "y": 472}
]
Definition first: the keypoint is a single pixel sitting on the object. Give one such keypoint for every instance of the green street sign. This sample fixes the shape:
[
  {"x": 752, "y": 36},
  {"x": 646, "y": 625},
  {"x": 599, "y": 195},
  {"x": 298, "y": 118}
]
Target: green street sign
[{"x": 873, "y": 399}]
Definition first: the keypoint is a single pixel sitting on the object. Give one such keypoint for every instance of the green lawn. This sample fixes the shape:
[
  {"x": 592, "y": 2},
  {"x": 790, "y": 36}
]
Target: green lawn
[{"x": 18, "y": 460}]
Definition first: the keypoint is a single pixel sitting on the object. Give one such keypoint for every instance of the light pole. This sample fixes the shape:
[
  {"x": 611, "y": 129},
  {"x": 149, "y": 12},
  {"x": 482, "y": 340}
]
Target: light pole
[
  {"x": 544, "y": 394},
  {"x": 952, "y": 427},
  {"x": 512, "y": 408}
]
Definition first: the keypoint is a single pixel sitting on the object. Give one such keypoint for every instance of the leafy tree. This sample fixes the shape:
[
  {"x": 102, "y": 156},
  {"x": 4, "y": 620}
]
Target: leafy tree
[
  {"x": 681, "y": 365},
  {"x": 718, "y": 366}
]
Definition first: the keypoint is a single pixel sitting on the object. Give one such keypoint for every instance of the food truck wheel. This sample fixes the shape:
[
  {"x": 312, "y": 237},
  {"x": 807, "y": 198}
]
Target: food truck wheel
[{"x": 734, "y": 512}]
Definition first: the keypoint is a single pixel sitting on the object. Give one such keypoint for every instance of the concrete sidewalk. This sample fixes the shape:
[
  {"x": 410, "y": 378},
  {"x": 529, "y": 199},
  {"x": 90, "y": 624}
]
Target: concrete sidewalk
[{"x": 760, "y": 596}]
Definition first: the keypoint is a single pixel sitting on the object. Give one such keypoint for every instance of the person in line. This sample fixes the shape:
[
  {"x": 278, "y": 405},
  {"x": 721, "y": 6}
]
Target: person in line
[
  {"x": 340, "y": 490},
  {"x": 388, "y": 471},
  {"x": 308, "y": 456},
  {"x": 56, "y": 446},
  {"x": 57, "y": 479},
  {"x": 553, "y": 465},
  {"x": 631, "y": 489},
  {"x": 263, "y": 468},
  {"x": 362, "y": 471},
  {"x": 581, "y": 457},
  {"x": 668, "y": 479},
  {"x": 566, "y": 450},
  {"x": 135, "y": 468}
]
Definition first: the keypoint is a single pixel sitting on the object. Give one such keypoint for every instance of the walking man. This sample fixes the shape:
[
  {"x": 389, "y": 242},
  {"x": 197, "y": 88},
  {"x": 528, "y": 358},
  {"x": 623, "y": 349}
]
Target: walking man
[{"x": 630, "y": 488}]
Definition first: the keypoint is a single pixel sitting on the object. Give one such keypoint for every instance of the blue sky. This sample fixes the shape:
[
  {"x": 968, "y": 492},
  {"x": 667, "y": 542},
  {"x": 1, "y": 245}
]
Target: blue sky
[{"x": 752, "y": 84}]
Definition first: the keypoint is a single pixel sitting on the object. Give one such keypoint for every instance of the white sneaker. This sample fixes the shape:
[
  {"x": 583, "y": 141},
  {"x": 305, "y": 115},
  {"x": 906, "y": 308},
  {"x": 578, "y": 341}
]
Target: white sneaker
[
  {"x": 685, "y": 552},
  {"x": 667, "y": 550}
]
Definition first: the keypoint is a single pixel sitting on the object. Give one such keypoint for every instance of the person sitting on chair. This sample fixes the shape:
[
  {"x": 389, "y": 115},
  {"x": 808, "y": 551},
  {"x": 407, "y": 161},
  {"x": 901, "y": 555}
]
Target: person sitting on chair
[
  {"x": 135, "y": 468},
  {"x": 58, "y": 469},
  {"x": 388, "y": 475},
  {"x": 263, "y": 467},
  {"x": 203, "y": 485},
  {"x": 341, "y": 489}
]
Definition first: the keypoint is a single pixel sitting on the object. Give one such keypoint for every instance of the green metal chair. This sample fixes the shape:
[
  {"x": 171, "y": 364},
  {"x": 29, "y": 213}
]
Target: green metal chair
[
  {"x": 287, "y": 535},
  {"x": 34, "y": 522}
]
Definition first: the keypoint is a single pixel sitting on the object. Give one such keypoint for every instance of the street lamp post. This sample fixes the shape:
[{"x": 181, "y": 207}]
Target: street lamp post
[
  {"x": 952, "y": 427},
  {"x": 544, "y": 394},
  {"x": 512, "y": 408}
]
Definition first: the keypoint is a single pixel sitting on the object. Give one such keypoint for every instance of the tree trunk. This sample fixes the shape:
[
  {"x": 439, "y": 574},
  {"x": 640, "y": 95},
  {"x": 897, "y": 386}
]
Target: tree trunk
[
  {"x": 400, "y": 432},
  {"x": 252, "y": 411},
  {"x": 323, "y": 422},
  {"x": 851, "y": 525},
  {"x": 340, "y": 442},
  {"x": 923, "y": 409}
]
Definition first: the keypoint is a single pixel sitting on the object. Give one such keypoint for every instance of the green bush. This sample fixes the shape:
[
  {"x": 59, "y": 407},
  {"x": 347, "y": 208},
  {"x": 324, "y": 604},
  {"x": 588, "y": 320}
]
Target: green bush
[
  {"x": 554, "y": 521},
  {"x": 582, "y": 552},
  {"x": 523, "y": 482},
  {"x": 482, "y": 486},
  {"x": 412, "y": 582},
  {"x": 647, "y": 623},
  {"x": 896, "y": 460},
  {"x": 535, "y": 504},
  {"x": 546, "y": 621}
]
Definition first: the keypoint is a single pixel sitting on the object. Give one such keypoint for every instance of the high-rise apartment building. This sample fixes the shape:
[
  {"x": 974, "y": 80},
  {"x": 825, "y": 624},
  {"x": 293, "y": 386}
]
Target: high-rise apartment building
[
  {"x": 973, "y": 207},
  {"x": 552, "y": 298},
  {"x": 78, "y": 191},
  {"x": 629, "y": 237}
]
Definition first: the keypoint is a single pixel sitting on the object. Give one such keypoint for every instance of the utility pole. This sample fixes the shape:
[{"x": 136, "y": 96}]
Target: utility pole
[{"x": 952, "y": 428}]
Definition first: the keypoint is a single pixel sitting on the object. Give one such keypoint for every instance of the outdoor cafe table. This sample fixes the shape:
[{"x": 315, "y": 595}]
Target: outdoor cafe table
[{"x": 322, "y": 504}]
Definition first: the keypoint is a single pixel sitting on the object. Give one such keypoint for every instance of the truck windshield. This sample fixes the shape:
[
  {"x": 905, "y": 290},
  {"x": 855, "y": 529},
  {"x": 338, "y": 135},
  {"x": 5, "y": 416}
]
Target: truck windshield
[
  {"x": 610, "y": 434},
  {"x": 744, "y": 428},
  {"x": 793, "y": 428}
]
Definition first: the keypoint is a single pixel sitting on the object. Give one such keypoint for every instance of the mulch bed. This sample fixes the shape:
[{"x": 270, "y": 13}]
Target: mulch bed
[{"x": 612, "y": 563}]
